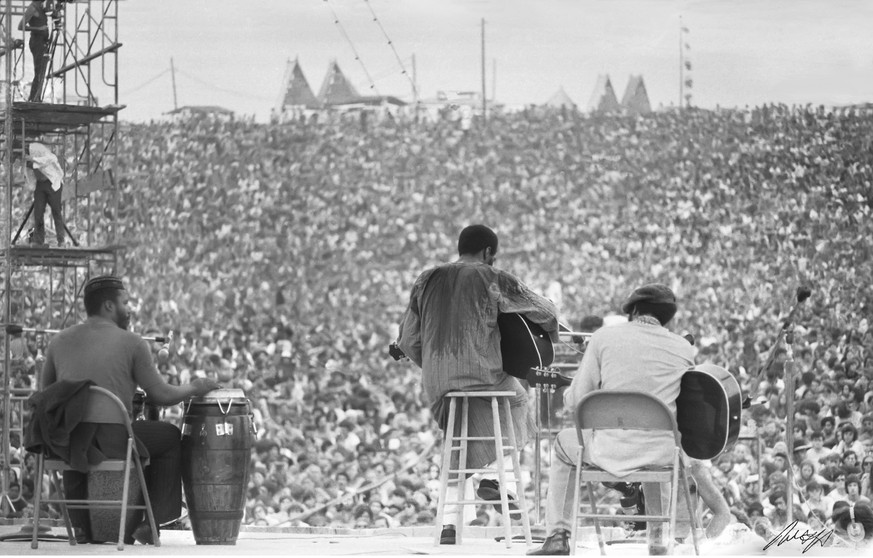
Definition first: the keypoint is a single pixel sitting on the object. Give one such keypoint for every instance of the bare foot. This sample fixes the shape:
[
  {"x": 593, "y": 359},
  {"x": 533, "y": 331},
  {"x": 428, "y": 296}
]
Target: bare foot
[{"x": 717, "y": 525}]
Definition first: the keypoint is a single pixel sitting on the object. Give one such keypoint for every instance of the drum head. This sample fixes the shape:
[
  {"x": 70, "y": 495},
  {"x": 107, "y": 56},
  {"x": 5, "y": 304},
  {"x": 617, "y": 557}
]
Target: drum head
[{"x": 221, "y": 396}]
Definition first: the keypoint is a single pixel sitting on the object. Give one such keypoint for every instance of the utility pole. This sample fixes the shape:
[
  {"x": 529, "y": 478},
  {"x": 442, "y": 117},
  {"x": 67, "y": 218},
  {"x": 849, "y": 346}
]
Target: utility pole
[
  {"x": 173, "y": 74},
  {"x": 681, "y": 64},
  {"x": 484, "y": 96},
  {"x": 415, "y": 87},
  {"x": 493, "y": 80}
]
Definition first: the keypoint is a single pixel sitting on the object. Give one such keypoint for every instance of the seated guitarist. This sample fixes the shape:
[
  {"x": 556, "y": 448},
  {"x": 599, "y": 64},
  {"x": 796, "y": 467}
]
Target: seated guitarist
[
  {"x": 450, "y": 330},
  {"x": 641, "y": 355}
]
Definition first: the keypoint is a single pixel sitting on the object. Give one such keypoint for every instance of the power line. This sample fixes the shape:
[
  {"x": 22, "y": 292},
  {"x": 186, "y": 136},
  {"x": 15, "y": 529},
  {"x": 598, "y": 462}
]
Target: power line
[
  {"x": 394, "y": 50},
  {"x": 219, "y": 88},
  {"x": 352, "y": 45},
  {"x": 138, "y": 87}
]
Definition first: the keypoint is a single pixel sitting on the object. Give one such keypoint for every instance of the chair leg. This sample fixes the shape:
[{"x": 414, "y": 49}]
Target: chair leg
[
  {"x": 692, "y": 510},
  {"x": 448, "y": 442},
  {"x": 516, "y": 468},
  {"x": 597, "y": 530},
  {"x": 674, "y": 501},
  {"x": 150, "y": 514},
  {"x": 37, "y": 495},
  {"x": 55, "y": 481},
  {"x": 125, "y": 494}
]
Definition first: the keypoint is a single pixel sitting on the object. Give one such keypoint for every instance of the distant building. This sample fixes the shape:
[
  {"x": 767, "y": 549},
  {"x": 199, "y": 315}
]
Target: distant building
[
  {"x": 336, "y": 88},
  {"x": 296, "y": 97},
  {"x": 636, "y": 99},
  {"x": 212, "y": 111},
  {"x": 603, "y": 99},
  {"x": 560, "y": 100}
]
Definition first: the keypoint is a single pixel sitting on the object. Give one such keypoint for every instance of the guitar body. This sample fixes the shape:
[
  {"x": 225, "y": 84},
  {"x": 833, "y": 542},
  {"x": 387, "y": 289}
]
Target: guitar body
[
  {"x": 523, "y": 345},
  {"x": 708, "y": 410}
]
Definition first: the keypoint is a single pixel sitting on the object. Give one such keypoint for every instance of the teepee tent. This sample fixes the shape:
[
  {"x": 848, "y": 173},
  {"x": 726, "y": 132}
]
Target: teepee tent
[
  {"x": 636, "y": 99},
  {"x": 560, "y": 99},
  {"x": 296, "y": 95},
  {"x": 603, "y": 98},
  {"x": 336, "y": 89}
]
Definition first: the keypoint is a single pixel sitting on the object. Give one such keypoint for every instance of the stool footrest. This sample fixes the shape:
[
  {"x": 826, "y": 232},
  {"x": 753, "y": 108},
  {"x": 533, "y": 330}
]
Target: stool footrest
[
  {"x": 485, "y": 502},
  {"x": 606, "y": 516},
  {"x": 477, "y": 439},
  {"x": 509, "y": 474}
]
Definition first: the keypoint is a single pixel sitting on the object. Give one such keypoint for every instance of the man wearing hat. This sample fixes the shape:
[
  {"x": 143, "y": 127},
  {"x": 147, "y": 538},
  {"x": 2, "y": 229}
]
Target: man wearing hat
[
  {"x": 103, "y": 351},
  {"x": 639, "y": 355}
]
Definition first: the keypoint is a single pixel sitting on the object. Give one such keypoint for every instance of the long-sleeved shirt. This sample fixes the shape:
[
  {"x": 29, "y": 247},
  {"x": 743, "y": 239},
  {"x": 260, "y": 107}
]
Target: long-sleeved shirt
[
  {"x": 450, "y": 330},
  {"x": 634, "y": 356}
]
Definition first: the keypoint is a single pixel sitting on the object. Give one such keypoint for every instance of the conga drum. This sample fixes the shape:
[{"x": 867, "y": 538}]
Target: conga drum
[{"x": 217, "y": 437}]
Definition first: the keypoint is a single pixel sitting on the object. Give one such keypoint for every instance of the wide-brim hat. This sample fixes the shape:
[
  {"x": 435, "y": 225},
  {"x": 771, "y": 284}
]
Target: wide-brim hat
[{"x": 653, "y": 293}]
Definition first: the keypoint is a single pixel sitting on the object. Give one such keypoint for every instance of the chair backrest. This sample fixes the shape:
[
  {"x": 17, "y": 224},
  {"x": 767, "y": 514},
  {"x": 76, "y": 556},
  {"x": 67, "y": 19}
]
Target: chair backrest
[
  {"x": 111, "y": 409},
  {"x": 624, "y": 410}
]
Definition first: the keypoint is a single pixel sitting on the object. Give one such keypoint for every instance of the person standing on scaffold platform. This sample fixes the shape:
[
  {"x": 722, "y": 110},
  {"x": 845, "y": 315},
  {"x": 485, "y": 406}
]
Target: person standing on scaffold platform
[
  {"x": 44, "y": 174},
  {"x": 35, "y": 20}
]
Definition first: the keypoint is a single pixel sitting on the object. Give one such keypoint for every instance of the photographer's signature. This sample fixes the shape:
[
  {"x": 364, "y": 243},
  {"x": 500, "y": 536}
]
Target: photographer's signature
[{"x": 792, "y": 533}]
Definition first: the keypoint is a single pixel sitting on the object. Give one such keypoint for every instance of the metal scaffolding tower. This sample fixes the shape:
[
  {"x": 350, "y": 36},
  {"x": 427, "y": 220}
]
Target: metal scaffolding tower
[{"x": 75, "y": 115}]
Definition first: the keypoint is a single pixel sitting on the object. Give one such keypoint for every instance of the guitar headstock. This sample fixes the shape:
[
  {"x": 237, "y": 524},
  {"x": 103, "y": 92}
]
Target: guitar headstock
[
  {"x": 395, "y": 352},
  {"x": 547, "y": 377}
]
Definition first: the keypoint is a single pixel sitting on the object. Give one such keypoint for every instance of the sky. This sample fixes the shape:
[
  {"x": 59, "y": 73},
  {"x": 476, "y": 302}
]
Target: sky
[{"x": 743, "y": 52}]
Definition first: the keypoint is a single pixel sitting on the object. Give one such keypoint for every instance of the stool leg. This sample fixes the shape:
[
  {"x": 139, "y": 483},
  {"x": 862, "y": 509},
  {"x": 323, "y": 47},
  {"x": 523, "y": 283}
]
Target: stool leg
[
  {"x": 448, "y": 442},
  {"x": 463, "y": 489},
  {"x": 516, "y": 468},
  {"x": 501, "y": 471}
]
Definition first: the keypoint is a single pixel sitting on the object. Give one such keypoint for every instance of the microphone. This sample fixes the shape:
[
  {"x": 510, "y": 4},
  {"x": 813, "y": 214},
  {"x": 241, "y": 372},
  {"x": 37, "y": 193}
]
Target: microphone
[{"x": 13, "y": 329}]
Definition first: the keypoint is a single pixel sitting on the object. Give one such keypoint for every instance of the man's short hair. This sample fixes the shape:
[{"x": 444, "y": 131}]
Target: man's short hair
[
  {"x": 826, "y": 420},
  {"x": 816, "y": 435},
  {"x": 813, "y": 485},
  {"x": 100, "y": 289},
  {"x": 475, "y": 238}
]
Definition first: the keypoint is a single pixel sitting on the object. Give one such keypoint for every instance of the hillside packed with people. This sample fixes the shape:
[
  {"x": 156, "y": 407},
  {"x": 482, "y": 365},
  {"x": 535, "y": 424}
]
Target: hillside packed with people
[{"x": 281, "y": 256}]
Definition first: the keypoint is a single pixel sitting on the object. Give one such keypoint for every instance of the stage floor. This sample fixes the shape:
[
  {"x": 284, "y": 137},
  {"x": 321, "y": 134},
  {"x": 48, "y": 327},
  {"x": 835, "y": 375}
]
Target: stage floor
[{"x": 384, "y": 542}]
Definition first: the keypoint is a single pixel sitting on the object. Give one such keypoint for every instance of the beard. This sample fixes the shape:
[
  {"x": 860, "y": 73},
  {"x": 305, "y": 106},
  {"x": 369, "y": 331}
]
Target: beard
[{"x": 123, "y": 320}]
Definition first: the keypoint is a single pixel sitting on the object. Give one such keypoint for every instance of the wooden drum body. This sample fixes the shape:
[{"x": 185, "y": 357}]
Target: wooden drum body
[{"x": 217, "y": 437}]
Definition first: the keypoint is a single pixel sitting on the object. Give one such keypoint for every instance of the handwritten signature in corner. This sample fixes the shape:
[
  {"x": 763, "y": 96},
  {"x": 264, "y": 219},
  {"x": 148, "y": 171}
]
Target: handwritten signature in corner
[{"x": 792, "y": 533}]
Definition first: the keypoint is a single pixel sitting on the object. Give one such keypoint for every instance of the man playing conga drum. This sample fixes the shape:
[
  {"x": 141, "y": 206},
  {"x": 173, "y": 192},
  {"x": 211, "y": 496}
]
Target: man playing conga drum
[{"x": 103, "y": 351}]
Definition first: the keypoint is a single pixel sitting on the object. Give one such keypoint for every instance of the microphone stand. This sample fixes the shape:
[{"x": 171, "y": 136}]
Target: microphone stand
[
  {"x": 786, "y": 340},
  {"x": 789, "y": 418}
]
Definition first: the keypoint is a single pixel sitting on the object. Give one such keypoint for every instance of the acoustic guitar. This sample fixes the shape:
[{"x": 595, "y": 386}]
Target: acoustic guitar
[
  {"x": 524, "y": 345},
  {"x": 708, "y": 408}
]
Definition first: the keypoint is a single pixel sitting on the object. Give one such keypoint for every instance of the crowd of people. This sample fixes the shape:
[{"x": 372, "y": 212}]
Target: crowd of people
[{"x": 281, "y": 256}]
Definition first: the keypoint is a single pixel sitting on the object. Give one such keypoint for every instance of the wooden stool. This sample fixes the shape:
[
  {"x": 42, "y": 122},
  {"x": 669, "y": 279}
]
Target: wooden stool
[{"x": 499, "y": 399}]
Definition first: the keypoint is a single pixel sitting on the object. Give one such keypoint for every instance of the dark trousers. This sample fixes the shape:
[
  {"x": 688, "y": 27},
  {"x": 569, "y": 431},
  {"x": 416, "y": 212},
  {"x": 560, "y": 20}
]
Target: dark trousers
[
  {"x": 44, "y": 195},
  {"x": 38, "y": 48},
  {"x": 163, "y": 474}
]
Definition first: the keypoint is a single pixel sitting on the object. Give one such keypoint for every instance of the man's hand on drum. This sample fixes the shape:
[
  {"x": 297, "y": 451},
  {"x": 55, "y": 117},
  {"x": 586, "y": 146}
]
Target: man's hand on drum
[{"x": 202, "y": 386}]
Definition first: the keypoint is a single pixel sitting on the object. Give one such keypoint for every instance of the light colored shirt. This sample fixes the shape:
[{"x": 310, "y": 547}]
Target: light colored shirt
[
  {"x": 46, "y": 163},
  {"x": 631, "y": 356}
]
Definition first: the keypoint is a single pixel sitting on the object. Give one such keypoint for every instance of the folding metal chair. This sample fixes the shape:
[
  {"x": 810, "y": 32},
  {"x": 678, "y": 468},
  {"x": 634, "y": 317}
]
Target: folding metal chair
[
  {"x": 630, "y": 410},
  {"x": 106, "y": 401}
]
